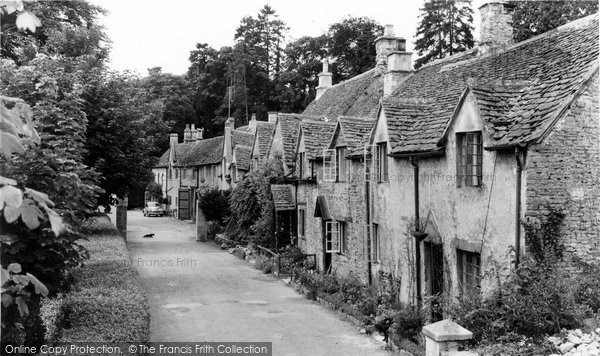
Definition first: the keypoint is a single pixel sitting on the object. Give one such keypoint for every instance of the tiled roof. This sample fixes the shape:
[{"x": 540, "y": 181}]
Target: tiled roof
[
  {"x": 557, "y": 64},
  {"x": 283, "y": 197},
  {"x": 264, "y": 131},
  {"x": 354, "y": 134},
  {"x": 246, "y": 128},
  {"x": 204, "y": 152},
  {"x": 242, "y": 157},
  {"x": 317, "y": 134},
  {"x": 290, "y": 126},
  {"x": 357, "y": 96},
  {"x": 241, "y": 138},
  {"x": 163, "y": 161},
  {"x": 180, "y": 151}
]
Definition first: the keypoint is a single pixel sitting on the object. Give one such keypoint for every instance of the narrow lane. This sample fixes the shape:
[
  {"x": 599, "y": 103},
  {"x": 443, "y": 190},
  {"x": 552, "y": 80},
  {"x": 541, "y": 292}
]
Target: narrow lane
[{"x": 198, "y": 292}]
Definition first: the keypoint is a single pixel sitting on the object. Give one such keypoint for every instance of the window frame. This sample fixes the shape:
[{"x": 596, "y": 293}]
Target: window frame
[
  {"x": 381, "y": 162},
  {"x": 332, "y": 236},
  {"x": 302, "y": 165},
  {"x": 468, "y": 270},
  {"x": 469, "y": 159},
  {"x": 301, "y": 231},
  {"x": 340, "y": 169},
  {"x": 329, "y": 165}
]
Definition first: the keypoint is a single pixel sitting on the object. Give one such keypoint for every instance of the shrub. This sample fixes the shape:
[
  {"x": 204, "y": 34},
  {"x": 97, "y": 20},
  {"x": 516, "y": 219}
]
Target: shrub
[
  {"x": 587, "y": 284},
  {"x": 98, "y": 225},
  {"x": 52, "y": 312},
  {"x": 107, "y": 302},
  {"x": 408, "y": 323},
  {"x": 214, "y": 204},
  {"x": 252, "y": 206}
]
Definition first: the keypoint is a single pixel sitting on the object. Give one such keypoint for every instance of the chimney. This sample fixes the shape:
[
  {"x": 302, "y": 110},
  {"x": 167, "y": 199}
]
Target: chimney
[
  {"x": 325, "y": 79},
  {"x": 187, "y": 134},
  {"x": 228, "y": 138},
  {"x": 273, "y": 116},
  {"x": 399, "y": 66},
  {"x": 199, "y": 134},
  {"x": 252, "y": 123},
  {"x": 384, "y": 45},
  {"x": 193, "y": 133},
  {"x": 173, "y": 140},
  {"x": 496, "y": 31}
]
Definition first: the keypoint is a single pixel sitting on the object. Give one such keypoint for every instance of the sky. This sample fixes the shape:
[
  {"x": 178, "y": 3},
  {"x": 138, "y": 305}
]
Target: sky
[{"x": 150, "y": 33}]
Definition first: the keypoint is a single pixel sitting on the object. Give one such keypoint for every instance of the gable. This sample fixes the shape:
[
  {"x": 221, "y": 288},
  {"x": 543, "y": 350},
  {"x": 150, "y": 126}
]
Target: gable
[{"x": 468, "y": 118}]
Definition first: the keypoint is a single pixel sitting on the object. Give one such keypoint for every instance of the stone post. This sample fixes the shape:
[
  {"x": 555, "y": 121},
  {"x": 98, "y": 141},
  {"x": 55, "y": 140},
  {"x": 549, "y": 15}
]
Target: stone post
[
  {"x": 444, "y": 338},
  {"x": 122, "y": 216},
  {"x": 201, "y": 224}
]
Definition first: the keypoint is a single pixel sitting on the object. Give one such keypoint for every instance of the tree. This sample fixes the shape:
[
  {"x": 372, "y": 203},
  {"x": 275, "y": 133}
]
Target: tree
[
  {"x": 445, "y": 28},
  {"x": 207, "y": 76},
  {"x": 531, "y": 18},
  {"x": 176, "y": 94},
  {"x": 125, "y": 124},
  {"x": 351, "y": 46},
  {"x": 296, "y": 86}
]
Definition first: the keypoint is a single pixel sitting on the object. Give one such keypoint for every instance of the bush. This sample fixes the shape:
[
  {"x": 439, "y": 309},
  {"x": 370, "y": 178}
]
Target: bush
[
  {"x": 107, "y": 302},
  {"x": 214, "y": 204},
  {"x": 587, "y": 287},
  {"x": 52, "y": 312},
  {"x": 98, "y": 225},
  {"x": 408, "y": 323},
  {"x": 252, "y": 206}
]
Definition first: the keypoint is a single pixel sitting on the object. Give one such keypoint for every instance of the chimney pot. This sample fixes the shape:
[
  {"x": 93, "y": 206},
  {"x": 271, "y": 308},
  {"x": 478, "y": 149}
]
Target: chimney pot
[
  {"x": 199, "y": 134},
  {"x": 187, "y": 134},
  {"x": 325, "y": 79}
]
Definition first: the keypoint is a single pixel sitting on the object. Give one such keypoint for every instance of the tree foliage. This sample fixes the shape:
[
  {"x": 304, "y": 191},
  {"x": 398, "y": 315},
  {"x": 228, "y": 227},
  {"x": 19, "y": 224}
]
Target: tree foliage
[
  {"x": 531, "y": 18},
  {"x": 445, "y": 28}
]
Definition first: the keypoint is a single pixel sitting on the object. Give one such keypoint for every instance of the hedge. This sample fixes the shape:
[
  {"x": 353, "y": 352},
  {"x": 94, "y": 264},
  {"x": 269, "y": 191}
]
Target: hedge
[{"x": 107, "y": 302}]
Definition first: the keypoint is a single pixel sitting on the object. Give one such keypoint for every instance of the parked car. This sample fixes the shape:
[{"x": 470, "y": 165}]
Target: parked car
[{"x": 153, "y": 208}]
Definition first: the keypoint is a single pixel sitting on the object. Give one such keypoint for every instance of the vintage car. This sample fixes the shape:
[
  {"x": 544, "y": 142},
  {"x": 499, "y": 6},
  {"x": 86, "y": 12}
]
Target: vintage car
[{"x": 153, "y": 208}]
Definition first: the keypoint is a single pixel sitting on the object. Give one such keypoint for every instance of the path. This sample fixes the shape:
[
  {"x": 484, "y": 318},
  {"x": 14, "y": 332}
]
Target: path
[{"x": 197, "y": 292}]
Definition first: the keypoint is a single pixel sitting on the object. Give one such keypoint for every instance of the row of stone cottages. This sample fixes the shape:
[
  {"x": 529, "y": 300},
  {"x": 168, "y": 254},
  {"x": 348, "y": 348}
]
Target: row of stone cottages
[{"x": 429, "y": 174}]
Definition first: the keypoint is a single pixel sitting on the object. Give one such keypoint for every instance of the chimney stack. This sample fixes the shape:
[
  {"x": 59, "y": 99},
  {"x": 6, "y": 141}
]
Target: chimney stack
[
  {"x": 496, "y": 31},
  {"x": 199, "y": 134},
  {"x": 273, "y": 116},
  {"x": 187, "y": 133},
  {"x": 193, "y": 133},
  {"x": 173, "y": 140},
  {"x": 252, "y": 123},
  {"x": 399, "y": 66},
  {"x": 325, "y": 79},
  {"x": 384, "y": 45}
]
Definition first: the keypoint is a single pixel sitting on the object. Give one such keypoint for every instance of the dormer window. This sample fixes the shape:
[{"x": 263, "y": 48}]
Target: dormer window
[
  {"x": 381, "y": 168},
  {"x": 469, "y": 147},
  {"x": 302, "y": 165},
  {"x": 340, "y": 156}
]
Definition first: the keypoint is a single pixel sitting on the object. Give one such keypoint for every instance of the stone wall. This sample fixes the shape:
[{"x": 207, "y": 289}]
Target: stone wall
[
  {"x": 563, "y": 173},
  {"x": 345, "y": 201}
]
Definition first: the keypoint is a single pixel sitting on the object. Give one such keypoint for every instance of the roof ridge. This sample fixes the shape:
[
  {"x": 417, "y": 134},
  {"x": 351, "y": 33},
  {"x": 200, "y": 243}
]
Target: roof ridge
[{"x": 356, "y": 77}]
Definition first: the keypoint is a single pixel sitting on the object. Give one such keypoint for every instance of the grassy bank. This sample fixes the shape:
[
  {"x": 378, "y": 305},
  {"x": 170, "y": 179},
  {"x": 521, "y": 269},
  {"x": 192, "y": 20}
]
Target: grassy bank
[{"x": 106, "y": 302}]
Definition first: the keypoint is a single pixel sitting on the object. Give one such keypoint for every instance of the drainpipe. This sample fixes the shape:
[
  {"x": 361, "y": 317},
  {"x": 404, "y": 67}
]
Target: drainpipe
[
  {"x": 418, "y": 234},
  {"x": 520, "y": 156}
]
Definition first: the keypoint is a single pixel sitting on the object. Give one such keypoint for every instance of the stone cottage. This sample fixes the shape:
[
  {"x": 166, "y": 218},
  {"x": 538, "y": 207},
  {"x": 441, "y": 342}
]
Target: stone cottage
[
  {"x": 242, "y": 136},
  {"x": 469, "y": 146}
]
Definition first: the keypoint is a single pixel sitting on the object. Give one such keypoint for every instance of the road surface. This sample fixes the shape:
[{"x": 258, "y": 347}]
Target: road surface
[{"x": 198, "y": 292}]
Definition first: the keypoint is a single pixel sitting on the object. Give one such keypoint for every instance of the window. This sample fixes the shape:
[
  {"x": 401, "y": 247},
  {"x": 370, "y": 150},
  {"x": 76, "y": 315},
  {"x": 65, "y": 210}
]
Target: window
[
  {"x": 381, "y": 169},
  {"x": 340, "y": 158},
  {"x": 343, "y": 239},
  {"x": 234, "y": 173},
  {"x": 301, "y": 223},
  {"x": 375, "y": 243},
  {"x": 170, "y": 173},
  {"x": 176, "y": 173},
  {"x": 301, "y": 165},
  {"x": 469, "y": 159},
  {"x": 469, "y": 271},
  {"x": 332, "y": 236},
  {"x": 329, "y": 166}
]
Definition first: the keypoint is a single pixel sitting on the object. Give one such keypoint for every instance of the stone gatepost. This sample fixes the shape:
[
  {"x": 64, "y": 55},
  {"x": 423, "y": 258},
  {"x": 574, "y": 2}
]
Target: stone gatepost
[
  {"x": 122, "y": 216},
  {"x": 444, "y": 338},
  {"x": 201, "y": 224}
]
